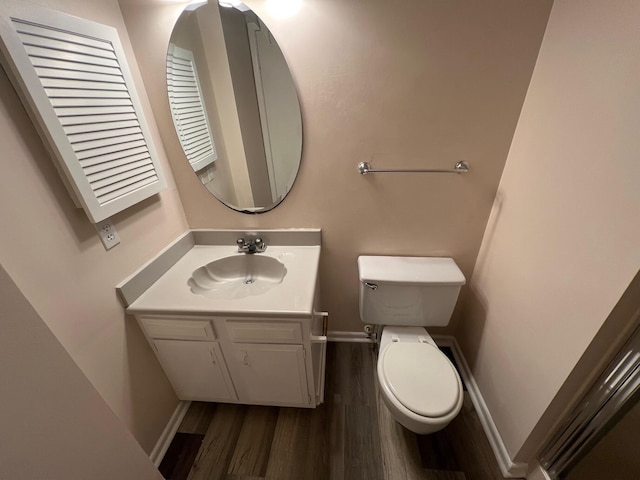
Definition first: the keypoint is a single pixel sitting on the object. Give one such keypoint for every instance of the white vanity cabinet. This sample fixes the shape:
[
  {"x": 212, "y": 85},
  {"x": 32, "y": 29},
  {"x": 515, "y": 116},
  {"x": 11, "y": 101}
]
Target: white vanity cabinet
[
  {"x": 250, "y": 360},
  {"x": 191, "y": 357},
  {"x": 233, "y": 327}
]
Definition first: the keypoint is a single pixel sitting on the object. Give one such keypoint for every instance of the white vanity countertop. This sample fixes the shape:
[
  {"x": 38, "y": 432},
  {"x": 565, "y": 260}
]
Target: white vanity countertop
[{"x": 294, "y": 296}]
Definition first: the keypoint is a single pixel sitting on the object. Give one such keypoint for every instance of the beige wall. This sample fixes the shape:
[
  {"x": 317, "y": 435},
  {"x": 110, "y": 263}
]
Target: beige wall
[
  {"x": 54, "y": 255},
  {"x": 54, "y": 425},
  {"x": 561, "y": 245},
  {"x": 412, "y": 84}
]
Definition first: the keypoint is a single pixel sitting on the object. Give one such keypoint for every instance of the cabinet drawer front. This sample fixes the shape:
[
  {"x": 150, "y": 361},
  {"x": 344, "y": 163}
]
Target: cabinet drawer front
[
  {"x": 264, "y": 332},
  {"x": 178, "y": 329}
]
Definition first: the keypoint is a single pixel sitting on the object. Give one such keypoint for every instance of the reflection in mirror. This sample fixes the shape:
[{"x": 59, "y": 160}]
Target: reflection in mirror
[
  {"x": 187, "y": 108},
  {"x": 234, "y": 106}
]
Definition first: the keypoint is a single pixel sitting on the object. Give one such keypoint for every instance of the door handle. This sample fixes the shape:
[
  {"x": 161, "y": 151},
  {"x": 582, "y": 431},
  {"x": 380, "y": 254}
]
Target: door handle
[{"x": 245, "y": 358}]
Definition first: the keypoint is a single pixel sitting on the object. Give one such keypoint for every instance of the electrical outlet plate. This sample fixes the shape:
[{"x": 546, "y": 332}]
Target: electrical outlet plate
[{"x": 107, "y": 233}]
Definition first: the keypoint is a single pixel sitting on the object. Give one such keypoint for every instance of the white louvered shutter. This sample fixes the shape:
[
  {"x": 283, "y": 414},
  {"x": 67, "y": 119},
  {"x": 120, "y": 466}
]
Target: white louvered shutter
[
  {"x": 188, "y": 108},
  {"x": 73, "y": 77}
]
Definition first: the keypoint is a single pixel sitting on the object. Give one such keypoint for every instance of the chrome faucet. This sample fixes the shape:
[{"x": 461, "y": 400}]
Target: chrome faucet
[{"x": 254, "y": 245}]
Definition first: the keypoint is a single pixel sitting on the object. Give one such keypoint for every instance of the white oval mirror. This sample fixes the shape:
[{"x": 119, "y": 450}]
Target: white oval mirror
[{"x": 234, "y": 106}]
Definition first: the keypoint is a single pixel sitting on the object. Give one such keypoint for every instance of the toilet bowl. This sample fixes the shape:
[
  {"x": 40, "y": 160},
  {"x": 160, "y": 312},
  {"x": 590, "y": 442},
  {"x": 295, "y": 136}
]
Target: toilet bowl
[{"x": 418, "y": 383}]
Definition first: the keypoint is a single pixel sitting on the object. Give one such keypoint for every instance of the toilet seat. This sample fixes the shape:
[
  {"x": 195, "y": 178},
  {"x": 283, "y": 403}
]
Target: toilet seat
[{"x": 421, "y": 378}]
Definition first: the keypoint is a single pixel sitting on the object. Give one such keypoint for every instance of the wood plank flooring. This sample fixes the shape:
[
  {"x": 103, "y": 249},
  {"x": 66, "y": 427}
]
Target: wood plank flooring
[{"x": 352, "y": 436}]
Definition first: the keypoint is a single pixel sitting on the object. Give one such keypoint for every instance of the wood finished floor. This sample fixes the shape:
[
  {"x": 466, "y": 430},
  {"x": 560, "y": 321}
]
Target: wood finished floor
[{"x": 350, "y": 437}]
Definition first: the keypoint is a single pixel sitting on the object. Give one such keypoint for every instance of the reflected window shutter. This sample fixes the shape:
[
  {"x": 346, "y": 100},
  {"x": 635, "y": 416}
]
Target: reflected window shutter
[
  {"x": 188, "y": 108},
  {"x": 73, "y": 77}
]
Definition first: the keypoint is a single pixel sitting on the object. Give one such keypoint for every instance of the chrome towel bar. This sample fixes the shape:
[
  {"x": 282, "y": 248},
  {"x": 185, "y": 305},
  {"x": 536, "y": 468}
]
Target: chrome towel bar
[{"x": 460, "y": 167}]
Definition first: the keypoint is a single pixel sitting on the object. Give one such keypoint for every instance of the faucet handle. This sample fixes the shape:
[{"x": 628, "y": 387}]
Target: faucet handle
[
  {"x": 240, "y": 242},
  {"x": 261, "y": 245}
]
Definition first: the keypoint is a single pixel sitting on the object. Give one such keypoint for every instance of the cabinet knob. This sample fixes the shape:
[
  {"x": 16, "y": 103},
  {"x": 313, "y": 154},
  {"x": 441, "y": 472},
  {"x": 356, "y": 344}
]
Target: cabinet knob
[
  {"x": 213, "y": 356},
  {"x": 245, "y": 358}
]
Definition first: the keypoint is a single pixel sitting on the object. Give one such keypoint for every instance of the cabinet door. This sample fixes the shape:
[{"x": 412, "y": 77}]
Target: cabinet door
[
  {"x": 196, "y": 370},
  {"x": 272, "y": 374}
]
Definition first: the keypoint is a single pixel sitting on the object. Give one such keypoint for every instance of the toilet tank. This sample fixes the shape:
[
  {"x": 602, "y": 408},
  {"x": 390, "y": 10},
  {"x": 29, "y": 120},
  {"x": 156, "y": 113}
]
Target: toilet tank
[{"x": 411, "y": 291}]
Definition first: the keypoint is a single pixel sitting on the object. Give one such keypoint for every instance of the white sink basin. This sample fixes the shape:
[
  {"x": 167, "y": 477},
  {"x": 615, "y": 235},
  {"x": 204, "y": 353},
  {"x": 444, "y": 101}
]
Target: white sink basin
[{"x": 237, "y": 276}]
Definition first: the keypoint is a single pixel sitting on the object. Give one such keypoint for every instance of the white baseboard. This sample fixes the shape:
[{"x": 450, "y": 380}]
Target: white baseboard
[
  {"x": 168, "y": 433},
  {"x": 358, "y": 337},
  {"x": 508, "y": 467}
]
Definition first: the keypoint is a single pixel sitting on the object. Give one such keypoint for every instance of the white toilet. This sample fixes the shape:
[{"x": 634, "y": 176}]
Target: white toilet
[{"x": 418, "y": 383}]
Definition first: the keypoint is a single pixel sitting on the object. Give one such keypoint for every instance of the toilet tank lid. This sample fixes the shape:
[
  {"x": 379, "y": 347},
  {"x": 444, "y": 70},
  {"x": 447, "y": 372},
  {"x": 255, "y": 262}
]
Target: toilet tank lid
[{"x": 410, "y": 270}]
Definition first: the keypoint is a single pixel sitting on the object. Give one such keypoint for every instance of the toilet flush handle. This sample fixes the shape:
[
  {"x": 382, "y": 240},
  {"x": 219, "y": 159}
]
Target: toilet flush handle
[{"x": 372, "y": 286}]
